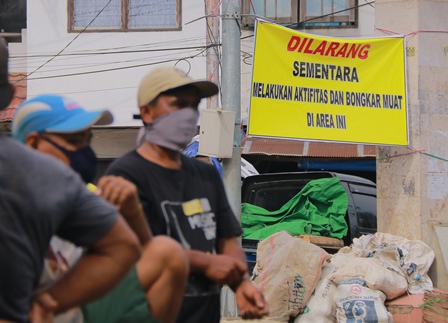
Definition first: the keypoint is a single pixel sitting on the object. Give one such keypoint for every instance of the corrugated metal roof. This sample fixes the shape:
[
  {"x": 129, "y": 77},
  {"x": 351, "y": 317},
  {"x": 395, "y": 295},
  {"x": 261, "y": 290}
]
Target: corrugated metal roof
[
  {"x": 19, "y": 81},
  {"x": 284, "y": 147}
]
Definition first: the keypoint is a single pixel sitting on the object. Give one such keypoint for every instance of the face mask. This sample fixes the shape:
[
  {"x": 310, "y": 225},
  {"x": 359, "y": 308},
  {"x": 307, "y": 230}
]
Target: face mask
[
  {"x": 173, "y": 130},
  {"x": 82, "y": 161}
]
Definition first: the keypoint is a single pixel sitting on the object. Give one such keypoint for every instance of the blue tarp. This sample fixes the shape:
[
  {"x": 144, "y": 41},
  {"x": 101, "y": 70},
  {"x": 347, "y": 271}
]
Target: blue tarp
[
  {"x": 192, "y": 151},
  {"x": 338, "y": 165}
]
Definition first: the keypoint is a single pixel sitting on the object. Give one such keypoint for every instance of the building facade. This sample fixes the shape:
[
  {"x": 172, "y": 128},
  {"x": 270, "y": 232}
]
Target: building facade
[{"x": 97, "y": 51}]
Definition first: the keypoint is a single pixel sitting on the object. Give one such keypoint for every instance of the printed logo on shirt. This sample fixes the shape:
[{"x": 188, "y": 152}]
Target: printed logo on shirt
[
  {"x": 187, "y": 217},
  {"x": 205, "y": 221},
  {"x": 195, "y": 206}
]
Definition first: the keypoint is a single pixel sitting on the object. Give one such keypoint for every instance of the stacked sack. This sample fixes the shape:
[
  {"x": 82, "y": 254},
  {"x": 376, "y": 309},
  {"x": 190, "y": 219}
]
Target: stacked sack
[{"x": 360, "y": 278}]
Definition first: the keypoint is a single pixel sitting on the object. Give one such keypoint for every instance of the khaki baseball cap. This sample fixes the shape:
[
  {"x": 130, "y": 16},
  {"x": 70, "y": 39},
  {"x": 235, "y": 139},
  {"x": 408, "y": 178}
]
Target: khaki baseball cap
[{"x": 162, "y": 79}]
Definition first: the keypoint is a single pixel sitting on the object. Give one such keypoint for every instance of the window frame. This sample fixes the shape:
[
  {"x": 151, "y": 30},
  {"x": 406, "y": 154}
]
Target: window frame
[
  {"x": 350, "y": 19},
  {"x": 299, "y": 18},
  {"x": 248, "y": 20},
  {"x": 124, "y": 20}
]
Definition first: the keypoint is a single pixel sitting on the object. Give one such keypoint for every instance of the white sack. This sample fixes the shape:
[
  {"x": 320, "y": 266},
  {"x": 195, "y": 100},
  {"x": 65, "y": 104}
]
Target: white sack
[
  {"x": 357, "y": 303},
  {"x": 377, "y": 277}
]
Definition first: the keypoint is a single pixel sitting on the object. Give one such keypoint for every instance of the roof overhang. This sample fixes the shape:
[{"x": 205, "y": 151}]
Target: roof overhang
[
  {"x": 296, "y": 148},
  {"x": 19, "y": 81}
]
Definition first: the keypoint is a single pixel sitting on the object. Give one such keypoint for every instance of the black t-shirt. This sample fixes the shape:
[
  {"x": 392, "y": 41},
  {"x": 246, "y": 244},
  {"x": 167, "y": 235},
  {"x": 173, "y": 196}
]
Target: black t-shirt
[
  {"x": 39, "y": 197},
  {"x": 191, "y": 206}
]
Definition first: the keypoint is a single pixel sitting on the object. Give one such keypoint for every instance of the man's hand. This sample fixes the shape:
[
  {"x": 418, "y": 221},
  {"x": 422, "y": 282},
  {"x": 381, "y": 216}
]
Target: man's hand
[
  {"x": 43, "y": 308},
  {"x": 225, "y": 270},
  {"x": 250, "y": 301},
  {"x": 124, "y": 195},
  {"x": 121, "y": 193}
]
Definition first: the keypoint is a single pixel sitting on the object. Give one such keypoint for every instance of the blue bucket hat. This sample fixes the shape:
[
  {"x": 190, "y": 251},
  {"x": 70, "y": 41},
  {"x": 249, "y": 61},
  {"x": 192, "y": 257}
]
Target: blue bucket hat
[{"x": 54, "y": 114}]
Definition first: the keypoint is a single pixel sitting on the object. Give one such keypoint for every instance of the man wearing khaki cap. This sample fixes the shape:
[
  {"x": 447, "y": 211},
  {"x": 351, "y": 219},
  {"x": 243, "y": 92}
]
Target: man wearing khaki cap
[
  {"x": 185, "y": 198},
  {"x": 41, "y": 197}
]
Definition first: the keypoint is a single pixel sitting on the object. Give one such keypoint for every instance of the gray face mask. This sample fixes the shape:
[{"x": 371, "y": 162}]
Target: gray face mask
[{"x": 173, "y": 130}]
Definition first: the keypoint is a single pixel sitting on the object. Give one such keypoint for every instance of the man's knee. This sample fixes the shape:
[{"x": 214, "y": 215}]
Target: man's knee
[{"x": 168, "y": 251}]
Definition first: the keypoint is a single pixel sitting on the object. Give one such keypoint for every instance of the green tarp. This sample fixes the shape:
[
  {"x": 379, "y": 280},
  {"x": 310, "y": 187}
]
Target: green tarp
[{"x": 318, "y": 209}]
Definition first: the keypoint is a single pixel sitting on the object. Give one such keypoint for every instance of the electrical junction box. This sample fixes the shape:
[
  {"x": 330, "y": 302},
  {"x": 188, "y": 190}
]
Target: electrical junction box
[{"x": 216, "y": 133}]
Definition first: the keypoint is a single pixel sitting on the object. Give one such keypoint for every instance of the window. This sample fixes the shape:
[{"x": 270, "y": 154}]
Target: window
[
  {"x": 303, "y": 13},
  {"x": 327, "y": 13},
  {"x": 124, "y": 15},
  {"x": 364, "y": 200},
  {"x": 365, "y": 212},
  {"x": 12, "y": 20},
  {"x": 280, "y": 11}
]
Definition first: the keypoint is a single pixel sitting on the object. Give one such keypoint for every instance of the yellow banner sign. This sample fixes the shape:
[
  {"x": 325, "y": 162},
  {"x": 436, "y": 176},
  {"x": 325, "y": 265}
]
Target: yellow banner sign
[{"x": 332, "y": 89}]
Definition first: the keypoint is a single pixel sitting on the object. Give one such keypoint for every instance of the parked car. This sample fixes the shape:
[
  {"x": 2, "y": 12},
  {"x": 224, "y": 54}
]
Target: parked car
[{"x": 272, "y": 191}]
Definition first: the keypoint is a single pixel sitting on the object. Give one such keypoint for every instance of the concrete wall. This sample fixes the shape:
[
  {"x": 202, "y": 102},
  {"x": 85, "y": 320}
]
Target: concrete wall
[
  {"x": 412, "y": 189},
  {"x": 17, "y": 55},
  {"x": 114, "y": 90},
  {"x": 113, "y": 142}
]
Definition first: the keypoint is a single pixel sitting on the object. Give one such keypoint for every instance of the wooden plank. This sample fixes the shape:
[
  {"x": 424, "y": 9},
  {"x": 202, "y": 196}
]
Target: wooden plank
[{"x": 320, "y": 241}]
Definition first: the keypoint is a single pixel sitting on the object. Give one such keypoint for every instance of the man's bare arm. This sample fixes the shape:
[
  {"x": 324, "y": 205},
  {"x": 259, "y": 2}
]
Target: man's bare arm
[
  {"x": 99, "y": 270},
  {"x": 223, "y": 269},
  {"x": 232, "y": 248}
]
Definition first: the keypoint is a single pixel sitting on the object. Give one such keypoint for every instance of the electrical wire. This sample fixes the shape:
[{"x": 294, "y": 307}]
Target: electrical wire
[
  {"x": 370, "y": 3},
  {"x": 86, "y": 63},
  {"x": 115, "y": 52},
  {"x": 122, "y": 88},
  {"x": 96, "y": 64},
  {"x": 184, "y": 60},
  {"x": 96, "y": 90},
  {"x": 18, "y": 58},
  {"x": 183, "y": 49},
  {"x": 115, "y": 69}
]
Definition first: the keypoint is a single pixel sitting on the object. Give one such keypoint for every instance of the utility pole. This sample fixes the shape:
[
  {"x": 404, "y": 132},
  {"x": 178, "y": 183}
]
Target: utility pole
[
  {"x": 231, "y": 97},
  {"x": 231, "y": 101}
]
